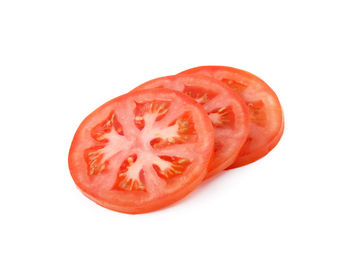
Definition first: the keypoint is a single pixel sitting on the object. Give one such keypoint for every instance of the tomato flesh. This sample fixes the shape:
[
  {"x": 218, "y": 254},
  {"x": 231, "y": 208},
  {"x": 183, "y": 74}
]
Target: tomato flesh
[
  {"x": 226, "y": 110},
  {"x": 142, "y": 151},
  {"x": 265, "y": 111}
]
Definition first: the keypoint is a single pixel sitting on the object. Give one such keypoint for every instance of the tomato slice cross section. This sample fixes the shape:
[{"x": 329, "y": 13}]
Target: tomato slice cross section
[
  {"x": 226, "y": 110},
  {"x": 265, "y": 111},
  {"x": 142, "y": 151}
]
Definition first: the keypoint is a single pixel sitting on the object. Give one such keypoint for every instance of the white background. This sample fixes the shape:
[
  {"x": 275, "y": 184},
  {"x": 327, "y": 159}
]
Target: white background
[{"x": 59, "y": 60}]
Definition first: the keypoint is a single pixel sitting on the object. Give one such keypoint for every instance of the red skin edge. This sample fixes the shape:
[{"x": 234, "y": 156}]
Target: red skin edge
[{"x": 262, "y": 152}]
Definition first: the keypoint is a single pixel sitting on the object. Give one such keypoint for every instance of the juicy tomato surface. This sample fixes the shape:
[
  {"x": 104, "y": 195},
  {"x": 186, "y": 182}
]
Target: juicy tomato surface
[
  {"x": 226, "y": 110},
  {"x": 142, "y": 151},
  {"x": 266, "y": 115}
]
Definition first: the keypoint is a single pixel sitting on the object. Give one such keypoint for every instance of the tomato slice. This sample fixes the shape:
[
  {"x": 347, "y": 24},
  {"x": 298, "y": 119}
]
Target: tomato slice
[
  {"x": 226, "y": 110},
  {"x": 142, "y": 151},
  {"x": 266, "y": 115}
]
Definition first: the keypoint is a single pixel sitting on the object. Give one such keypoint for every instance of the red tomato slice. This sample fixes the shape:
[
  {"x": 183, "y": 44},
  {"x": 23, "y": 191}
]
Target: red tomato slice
[
  {"x": 142, "y": 151},
  {"x": 266, "y": 115},
  {"x": 225, "y": 108}
]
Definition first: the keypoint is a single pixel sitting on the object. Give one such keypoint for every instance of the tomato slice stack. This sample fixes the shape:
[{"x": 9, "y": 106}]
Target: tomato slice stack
[
  {"x": 152, "y": 146},
  {"x": 266, "y": 116},
  {"x": 226, "y": 110}
]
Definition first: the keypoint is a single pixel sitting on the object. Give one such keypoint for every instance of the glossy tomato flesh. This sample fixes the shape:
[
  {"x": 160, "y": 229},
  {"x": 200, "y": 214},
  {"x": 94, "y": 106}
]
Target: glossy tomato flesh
[
  {"x": 226, "y": 110},
  {"x": 266, "y": 115},
  {"x": 142, "y": 151}
]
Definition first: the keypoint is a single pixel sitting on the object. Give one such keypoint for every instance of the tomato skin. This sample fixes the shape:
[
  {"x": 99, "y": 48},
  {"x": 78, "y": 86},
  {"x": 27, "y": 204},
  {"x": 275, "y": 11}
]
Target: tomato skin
[
  {"x": 244, "y": 160},
  {"x": 264, "y": 134},
  {"x": 239, "y": 129},
  {"x": 135, "y": 202}
]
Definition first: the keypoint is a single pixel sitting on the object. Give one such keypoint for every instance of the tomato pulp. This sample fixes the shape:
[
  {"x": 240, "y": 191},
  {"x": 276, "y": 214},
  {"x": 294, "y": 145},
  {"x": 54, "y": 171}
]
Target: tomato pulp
[
  {"x": 226, "y": 110},
  {"x": 266, "y": 115},
  {"x": 142, "y": 151}
]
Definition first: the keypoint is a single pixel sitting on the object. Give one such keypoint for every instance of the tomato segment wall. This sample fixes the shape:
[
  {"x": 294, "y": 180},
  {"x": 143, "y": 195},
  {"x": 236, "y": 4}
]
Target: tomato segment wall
[
  {"x": 142, "y": 151},
  {"x": 226, "y": 110}
]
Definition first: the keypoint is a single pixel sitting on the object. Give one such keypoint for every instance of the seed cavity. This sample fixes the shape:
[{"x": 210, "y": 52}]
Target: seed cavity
[
  {"x": 100, "y": 138},
  {"x": 221, "y": 117},
  {"x": 183, "y": 126},
  {"x": 102, "y": 167},
  {"x": 170, "y": 167},
  {"x": 237, "y": 86},
  {"x": 197, "y": 94},
  {"x": 257, "y": 113},
  {"x": 147, "y": 113},
  {"x": 221, "y": 109},
  {"x": 129, "y": 174},
  {"x": 130, "y": 160}
]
